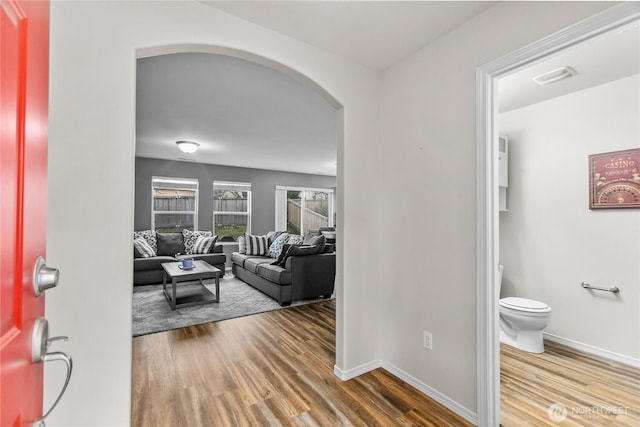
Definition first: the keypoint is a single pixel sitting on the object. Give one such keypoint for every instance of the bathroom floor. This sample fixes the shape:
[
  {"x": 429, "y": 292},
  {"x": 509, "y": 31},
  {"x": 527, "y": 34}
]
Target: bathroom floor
[{"x": 565, "y": 386}]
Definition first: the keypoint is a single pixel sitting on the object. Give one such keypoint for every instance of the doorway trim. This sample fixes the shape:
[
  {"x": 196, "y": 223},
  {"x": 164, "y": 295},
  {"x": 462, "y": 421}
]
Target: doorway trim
[{"x": 487, "y": 223}]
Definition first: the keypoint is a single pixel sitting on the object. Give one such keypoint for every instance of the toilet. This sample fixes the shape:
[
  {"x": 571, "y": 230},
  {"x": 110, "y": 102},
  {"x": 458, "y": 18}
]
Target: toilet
[{"x": 522, "y": 321}]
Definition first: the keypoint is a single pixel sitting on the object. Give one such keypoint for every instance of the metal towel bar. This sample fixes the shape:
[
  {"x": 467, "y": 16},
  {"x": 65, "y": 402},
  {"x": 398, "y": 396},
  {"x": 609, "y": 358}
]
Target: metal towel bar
[{"x": 613, "y": 289}]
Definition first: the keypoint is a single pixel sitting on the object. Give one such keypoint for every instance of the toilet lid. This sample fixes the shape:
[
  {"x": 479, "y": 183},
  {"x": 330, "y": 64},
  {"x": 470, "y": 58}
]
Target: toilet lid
[{"x": 524, "y": 304}]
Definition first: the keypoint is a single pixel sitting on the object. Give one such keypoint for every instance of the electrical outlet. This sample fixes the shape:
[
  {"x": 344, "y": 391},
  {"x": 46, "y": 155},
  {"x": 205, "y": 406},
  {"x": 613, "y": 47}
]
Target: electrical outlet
[{"x": 427, "y": 340}]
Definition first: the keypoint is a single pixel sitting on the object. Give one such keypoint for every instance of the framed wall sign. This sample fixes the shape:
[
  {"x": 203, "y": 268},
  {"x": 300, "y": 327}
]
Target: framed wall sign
[{"x": 614, "y": 180}]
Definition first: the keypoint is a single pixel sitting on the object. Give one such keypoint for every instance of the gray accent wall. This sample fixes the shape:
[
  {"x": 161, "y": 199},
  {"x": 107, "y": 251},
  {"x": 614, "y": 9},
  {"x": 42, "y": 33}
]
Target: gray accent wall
[{"x": 263, "y": 183}]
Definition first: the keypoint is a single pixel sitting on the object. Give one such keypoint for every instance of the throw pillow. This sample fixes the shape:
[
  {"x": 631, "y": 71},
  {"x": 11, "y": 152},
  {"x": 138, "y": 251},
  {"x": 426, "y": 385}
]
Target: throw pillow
[
  {"x": 302, "y": 250},
  {"x": 315, "y": 240},
  {"x": 204, "y": 245},
  {"x": 190, "y": 238},
  {"x": 295, "y": 250},
  {"x": 256, "y": 245},
  {"x": 170, "y": 244},
  {"x": 295, "y": 239},
  {"x": 242, "y": 248},
  {"x": 143, "y": 247},
  {"x": 149, "y": 236},
  {"x": 273, "y": 235},
  {"x": 276, "y": 247}
]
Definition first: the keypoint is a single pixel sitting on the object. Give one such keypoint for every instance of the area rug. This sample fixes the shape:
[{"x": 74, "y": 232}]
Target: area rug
[{"x": 152, "y": 313}]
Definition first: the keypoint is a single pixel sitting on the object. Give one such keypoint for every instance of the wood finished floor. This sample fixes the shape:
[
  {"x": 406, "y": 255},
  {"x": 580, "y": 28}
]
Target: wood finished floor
[
  {"x": 276, "y": 369},
  {"x": 271, "y": 369},
  {"x": 594, "y": 391}
]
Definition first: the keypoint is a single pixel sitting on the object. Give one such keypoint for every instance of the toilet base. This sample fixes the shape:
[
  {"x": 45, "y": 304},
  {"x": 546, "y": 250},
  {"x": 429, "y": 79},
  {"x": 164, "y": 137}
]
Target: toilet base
[{"x": 530, "y": 341}]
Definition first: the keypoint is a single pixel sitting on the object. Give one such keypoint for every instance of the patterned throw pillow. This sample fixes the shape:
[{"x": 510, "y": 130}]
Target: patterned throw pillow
[
  {"x": 143, "y": 247},
  {"x": 256, "y": 245},
  {"x": 271, "y": 236},
  {"x": 276, "y": 247},
  {"x": 294, "y": 239},
  {"x": 190, "y": 238},
  {"x": 149, "y": 236},
  {"x": 204, "y": 245}
]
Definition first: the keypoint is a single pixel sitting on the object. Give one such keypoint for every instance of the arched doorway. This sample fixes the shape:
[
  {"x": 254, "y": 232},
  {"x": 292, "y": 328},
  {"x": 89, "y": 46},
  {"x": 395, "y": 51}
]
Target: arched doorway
[{"x": 312, "y": 85}]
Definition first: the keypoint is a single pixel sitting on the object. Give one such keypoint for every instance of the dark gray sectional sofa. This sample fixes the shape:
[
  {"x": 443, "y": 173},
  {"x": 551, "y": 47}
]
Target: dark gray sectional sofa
[
  {"x": 302, "y": 277},
  {"x": 147, "y": 271}
]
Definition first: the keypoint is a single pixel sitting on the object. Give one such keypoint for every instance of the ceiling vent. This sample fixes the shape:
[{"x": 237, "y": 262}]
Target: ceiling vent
[{"x": 555, "y": 75}]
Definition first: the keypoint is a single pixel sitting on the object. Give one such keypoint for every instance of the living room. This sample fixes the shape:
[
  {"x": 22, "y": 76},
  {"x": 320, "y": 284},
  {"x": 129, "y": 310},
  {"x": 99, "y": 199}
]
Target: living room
[{"x": 259, "y": 133}]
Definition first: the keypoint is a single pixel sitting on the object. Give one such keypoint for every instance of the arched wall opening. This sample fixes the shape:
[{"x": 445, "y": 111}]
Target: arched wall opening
[{"x": 331, "y": 100}]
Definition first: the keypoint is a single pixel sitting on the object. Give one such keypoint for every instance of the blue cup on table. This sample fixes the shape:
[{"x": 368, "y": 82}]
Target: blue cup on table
[{"x": 186, "y": 263}]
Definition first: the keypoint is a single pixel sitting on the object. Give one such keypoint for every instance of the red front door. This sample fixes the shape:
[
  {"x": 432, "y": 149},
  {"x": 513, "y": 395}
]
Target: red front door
[{"x": 24, "y": 78}]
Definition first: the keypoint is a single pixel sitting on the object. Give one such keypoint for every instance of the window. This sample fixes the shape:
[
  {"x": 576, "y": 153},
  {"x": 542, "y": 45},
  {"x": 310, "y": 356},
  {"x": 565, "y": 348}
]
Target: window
[
  {"x": 299, "y": 210},
  {"x": 231, "y": 208},
  {"x": 174, "y": 204}
]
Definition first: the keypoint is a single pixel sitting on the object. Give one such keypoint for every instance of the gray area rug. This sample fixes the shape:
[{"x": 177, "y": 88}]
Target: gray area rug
[{"x": 152, "y": 313}]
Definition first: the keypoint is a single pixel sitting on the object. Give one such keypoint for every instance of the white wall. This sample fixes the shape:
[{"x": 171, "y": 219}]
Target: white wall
[
  {"x": 91, "y": 181},
  {"x": 550, "y": 241},
  {"x": 408, "y": 265},
  {"x": 429, "y": 216}
]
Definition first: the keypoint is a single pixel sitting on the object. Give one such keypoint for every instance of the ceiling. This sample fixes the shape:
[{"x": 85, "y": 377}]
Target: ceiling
[
  {"x": 247, "y": 115},
  {"x": 241, "y": 113},
  {"x": 610, "y": 57},
  {"x": 376, "y": 34},
  {"x": 244, "y": 114}
]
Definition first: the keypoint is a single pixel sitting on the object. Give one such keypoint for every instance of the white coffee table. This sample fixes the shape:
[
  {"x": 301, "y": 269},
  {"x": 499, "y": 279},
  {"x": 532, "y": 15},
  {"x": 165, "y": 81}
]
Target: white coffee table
[{"x": 187, "y": 295}]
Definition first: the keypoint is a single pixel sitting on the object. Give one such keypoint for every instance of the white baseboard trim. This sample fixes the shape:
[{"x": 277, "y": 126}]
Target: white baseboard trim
[
  {"x": 446, "y": 401},
  {"x": 434, "y": 394},
  {"x": 357, "y": 371},
  {"x": 621, "y": 358}
]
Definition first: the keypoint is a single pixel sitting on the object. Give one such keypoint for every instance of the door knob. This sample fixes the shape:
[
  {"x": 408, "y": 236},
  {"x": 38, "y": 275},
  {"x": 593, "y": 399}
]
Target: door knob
[
  {"x": 40, "y": 343},
  {"x": 44, "y": 277}
]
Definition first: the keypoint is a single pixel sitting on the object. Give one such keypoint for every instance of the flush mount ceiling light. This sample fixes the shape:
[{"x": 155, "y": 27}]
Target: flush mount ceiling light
[
  {"x": 555, "y": 75},
  {"x": 187, "y": 147}
]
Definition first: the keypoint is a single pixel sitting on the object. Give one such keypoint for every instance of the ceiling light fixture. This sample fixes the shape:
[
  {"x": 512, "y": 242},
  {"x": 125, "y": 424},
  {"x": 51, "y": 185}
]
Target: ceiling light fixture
[
  {"x": 187, "y": 147},
  {"x": 555, "y": 75}
]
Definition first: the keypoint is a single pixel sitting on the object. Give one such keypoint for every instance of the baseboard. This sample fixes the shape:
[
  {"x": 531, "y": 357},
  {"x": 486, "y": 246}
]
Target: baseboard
[
  {"x": 424, "y": 388},
  {"x": 616, "y": 357},
  {"x": 357, "y": 371},
  {"x": 446, "y": 401}
]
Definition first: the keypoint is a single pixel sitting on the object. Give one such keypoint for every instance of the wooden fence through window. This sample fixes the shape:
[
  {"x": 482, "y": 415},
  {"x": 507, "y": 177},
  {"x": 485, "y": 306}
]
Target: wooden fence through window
[{"x": 296, "y": 216}]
